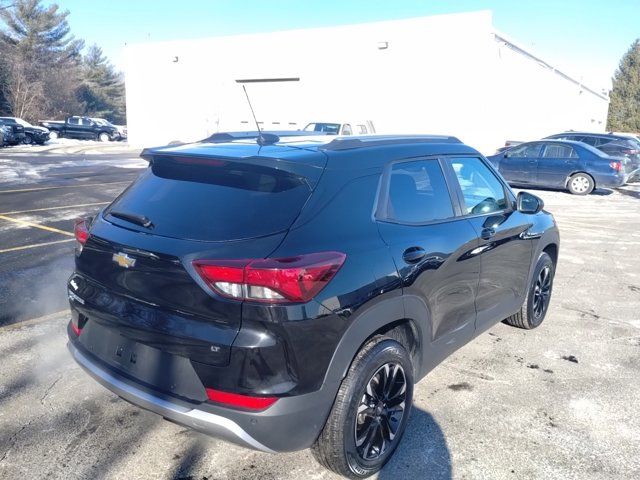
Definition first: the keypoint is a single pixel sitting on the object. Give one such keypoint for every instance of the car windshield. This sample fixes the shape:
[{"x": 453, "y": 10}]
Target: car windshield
[
  {"x": 323, "y": 127},
  {"x": 102, "y": 121},
  {"x": 22, "y": 122}
]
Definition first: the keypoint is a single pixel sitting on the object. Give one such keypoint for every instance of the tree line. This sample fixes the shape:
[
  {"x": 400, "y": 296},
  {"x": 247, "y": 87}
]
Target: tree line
[
  {"x": 624, "y": 106},
  {"x": 47, "y": 73}
]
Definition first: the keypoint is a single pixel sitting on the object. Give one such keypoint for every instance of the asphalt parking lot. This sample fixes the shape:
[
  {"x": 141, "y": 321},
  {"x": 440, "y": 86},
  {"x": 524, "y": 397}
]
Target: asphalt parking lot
[
  {"x": 42, "y": 191},
  {"x": 554, "y": 403}
]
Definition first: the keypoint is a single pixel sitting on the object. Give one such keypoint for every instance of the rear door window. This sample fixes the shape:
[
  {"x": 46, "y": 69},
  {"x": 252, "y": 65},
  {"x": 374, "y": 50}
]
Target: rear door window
[
  {"x": 212, "y": 200},
  {"x": 418, "y": 193},
  {"x": 559, "y": 151}
]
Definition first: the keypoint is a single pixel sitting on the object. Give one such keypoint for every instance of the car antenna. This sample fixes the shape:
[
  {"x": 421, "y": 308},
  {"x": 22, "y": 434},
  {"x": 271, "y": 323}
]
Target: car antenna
[{"x": 263, "y": 138}]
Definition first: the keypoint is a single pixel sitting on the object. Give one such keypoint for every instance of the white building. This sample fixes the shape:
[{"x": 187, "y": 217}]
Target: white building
[{"x": 447, "y": 74}]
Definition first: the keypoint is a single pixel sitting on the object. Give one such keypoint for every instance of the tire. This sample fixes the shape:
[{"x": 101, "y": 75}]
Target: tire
[
  {"x": 581, "y": 184},
  {"x": 336, "y": 447},
  {"x": 28, "y": 139},
  {"x": 53, "y": 135},
  {"x": 103, "y": 137},
  {"x": 531, "y": 313}
]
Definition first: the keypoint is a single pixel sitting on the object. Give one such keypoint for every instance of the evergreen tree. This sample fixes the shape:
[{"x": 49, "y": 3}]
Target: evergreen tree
[
  {"x": 36, "y": 50},
  {"x": 102, "y": 89},
  {"x": 624, "y": 107}
]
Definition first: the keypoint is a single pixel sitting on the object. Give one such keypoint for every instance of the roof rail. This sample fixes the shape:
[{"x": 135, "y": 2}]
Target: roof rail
[
  {"x": 224, "y": 137},
  {"x": 379, "y": 140}
]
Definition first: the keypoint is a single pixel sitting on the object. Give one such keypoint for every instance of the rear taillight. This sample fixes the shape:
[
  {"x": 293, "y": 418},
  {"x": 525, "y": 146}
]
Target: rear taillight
[
  {"x": 616, "y": 165},
  {"x": 277, "y": 280},
  {"x": 77, "y": 330},
  {"x": 235, "y": 400},
  {"x": 81, "y": 230}
]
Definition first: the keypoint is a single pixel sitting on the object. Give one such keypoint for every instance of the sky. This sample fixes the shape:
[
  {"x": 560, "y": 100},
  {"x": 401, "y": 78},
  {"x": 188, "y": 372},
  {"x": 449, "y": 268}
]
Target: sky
[{"x": 586, "y": 38}]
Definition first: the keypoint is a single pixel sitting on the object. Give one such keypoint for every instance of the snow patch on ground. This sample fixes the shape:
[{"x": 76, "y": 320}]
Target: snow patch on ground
[{"x": 15, "y": 171}]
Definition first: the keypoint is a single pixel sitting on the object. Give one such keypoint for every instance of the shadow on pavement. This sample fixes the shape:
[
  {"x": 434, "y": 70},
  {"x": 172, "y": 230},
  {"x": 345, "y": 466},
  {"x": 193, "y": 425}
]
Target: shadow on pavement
[
  {"x": 629, "y": 193},
  {"x": 423, "y": 452}
]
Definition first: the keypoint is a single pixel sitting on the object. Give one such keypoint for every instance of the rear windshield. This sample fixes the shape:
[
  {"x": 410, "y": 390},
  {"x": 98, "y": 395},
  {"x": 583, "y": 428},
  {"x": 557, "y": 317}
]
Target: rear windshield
[{"x": 211, "y": 200}]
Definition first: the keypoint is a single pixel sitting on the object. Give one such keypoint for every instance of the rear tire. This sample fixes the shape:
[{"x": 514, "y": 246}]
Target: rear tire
[
  {"x": 370, "y": 412},
  {"x": 533, "y": 312},
  {"x": 581, "y": 184}
]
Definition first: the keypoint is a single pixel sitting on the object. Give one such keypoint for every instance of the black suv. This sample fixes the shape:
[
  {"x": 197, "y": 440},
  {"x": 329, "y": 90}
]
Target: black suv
[
  {"x": 287, "y": 293},
  {"x": 32, "y": 133},
  {"x": 16, "y": 134}
]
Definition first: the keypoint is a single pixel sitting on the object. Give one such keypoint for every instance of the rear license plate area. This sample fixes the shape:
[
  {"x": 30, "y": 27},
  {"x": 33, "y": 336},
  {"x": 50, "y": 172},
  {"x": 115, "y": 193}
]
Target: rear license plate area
[{"x": 158, "y": 370}]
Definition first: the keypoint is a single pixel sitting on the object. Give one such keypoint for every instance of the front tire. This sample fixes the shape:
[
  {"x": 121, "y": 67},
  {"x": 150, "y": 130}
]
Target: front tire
[
  {"x": 53, "y": 135},
  {"x": 28, "y": 139},
  {"x": 536, "y": 302},
  {"x": 580, "y": 184},
  {"x": 103, "y": 137},
  {"x": 370, "y": 412}
]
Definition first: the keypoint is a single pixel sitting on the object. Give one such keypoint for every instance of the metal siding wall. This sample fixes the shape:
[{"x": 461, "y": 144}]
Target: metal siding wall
[{"x": 443, "y": 74}]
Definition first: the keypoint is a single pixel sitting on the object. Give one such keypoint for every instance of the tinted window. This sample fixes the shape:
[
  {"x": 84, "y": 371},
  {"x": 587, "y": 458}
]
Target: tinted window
[
  {"x": 559, "y": 151},
  {"x": 209, "y": 199},
  {"x": 526, "y": 151},
  {"x": 74, "y": 121},
  {"x": 418, "y": 193},
  {"x": 346, "y": 129},
  {"x": 481, "y": 189}
]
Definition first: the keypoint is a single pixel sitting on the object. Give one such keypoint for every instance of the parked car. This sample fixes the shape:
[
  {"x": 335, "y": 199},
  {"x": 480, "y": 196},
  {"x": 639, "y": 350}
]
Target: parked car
[
  {"x": 247, "y": 291},
  {"x": 122, "y": 130},
  {"x": 574, "y": 166},
  {"x": 349, "y": 128},
  {"x": 83, "y": 128},
  {"x": 5, "y": 134},
  {"x": 614, "y": 145},
  {"x": 17, "y": 132},
  {"x": 32, "y": 133}
]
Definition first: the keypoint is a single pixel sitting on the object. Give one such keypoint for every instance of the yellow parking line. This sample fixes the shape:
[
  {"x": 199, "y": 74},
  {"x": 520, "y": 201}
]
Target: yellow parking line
[
  {"x": 24, "y": 247},
  {"x": 35, "y": 225},
  {"x": 35, "y": 321},
  {"x": 54, "y": 208},
  {"x": 62, "y": 186}
]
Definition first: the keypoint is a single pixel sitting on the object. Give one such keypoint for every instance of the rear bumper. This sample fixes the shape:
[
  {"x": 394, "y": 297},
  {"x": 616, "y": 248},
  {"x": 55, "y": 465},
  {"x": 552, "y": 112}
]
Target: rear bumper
[
  {"x": 292, "y": 423},
  {"x": 610, "y": 181},
  {"x": 199, "y": 420}
]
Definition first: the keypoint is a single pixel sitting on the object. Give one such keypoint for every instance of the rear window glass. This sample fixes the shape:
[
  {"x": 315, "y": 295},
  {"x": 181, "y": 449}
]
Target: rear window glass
[{"x": 212, "y": 200}]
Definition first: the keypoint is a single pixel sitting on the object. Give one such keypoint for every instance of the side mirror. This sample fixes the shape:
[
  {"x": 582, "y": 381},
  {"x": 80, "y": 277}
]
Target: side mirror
[{"x": 528, "y": 203}]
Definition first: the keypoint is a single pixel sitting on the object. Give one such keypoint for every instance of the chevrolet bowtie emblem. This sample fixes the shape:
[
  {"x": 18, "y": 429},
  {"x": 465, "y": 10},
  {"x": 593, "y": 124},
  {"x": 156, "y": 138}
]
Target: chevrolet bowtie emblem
[{"x": 124, "y": 260}]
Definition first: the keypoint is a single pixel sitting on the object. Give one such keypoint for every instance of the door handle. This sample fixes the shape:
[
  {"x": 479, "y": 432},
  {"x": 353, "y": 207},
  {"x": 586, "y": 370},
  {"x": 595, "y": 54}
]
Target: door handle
[
  {"x": 413, "y": 254},
  {"x": 487, "y": 233}
]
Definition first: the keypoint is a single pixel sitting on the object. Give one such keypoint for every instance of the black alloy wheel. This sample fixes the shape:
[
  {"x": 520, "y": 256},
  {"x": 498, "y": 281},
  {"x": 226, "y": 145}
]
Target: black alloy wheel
[
  {"x": 542, "y": 293},
  {"x": 381, "y": 410}
]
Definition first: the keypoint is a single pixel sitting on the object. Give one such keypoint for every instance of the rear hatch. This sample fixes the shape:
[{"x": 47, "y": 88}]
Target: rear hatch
[{"x": 137, "y": 276}]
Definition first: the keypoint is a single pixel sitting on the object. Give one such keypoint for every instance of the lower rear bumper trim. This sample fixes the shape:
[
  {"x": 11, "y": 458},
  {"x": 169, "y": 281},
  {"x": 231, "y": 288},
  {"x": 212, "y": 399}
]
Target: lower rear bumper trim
[{"x": 200, "y": 420}]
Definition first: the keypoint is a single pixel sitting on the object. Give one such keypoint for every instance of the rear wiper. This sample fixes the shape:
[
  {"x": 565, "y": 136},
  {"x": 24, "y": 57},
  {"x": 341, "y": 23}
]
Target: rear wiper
[{"x": 133, "y": 218}]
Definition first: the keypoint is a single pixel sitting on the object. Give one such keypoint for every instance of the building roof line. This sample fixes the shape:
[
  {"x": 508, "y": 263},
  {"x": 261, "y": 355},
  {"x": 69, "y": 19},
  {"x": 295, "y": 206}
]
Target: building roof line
[{"x": 513, "y": 45}]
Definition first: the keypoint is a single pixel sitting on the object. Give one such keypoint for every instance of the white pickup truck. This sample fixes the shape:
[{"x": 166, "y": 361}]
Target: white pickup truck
[{"x": 363, "y": 127}]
